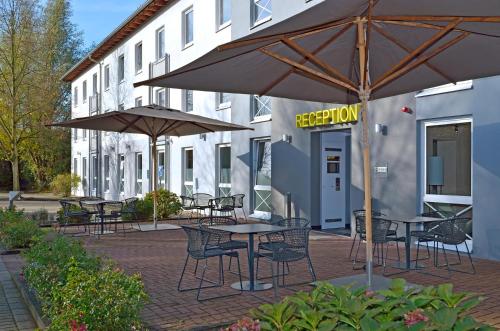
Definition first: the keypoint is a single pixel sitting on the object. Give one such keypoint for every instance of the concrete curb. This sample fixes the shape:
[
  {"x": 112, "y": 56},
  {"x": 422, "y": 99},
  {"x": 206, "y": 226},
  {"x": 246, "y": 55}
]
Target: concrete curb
[{"x": 27, "y": 300}]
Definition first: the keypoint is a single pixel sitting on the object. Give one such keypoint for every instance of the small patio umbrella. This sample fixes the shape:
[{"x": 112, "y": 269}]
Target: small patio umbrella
[
  {"x": 347, "y": 51},
  {"x": 153, "y": 121}
]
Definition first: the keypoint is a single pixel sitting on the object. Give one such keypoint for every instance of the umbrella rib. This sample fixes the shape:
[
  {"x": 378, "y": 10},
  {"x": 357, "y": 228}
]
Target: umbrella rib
[
  {"x": 310, "y": 71},
  {"x": 419, "y": 50},
  {"x": 328, "y": 69},
  {"x": 163, "y": 126},
  {"x": 171, "y": 127},
  {"x": 129, "y": 124},
  {"x": 420, "y": 60},
  {"x": 148, "y": 126},
  {"x": 304, "y": 60},
  {"x": 398, "y": 43},
  {"x": 201, "y": 126},
  {"x": 480, "y": 19},
  {"x": 124, "y": 121}
]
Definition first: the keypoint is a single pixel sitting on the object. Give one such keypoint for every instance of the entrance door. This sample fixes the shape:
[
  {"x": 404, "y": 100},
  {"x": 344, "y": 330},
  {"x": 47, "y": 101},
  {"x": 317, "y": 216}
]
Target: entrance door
[{"x": 333, "y": 180}]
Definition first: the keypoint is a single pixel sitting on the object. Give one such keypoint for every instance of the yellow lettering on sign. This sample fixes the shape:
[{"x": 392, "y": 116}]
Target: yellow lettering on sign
[
  {"x": 326, "y": 117},
  {"x": 319, "y": 117},
  {"x": 298, "y": 120},
  {"x": 344, "y": 114},
  {"x": 305, "y": 120},
  {"x": 312, "y": 119}
]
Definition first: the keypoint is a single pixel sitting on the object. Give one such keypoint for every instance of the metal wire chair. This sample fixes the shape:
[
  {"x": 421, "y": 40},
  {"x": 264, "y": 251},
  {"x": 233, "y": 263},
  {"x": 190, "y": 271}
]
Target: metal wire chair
[
  {"x": 223, "y": 205},
  {"x": 73, "y": 211},
  {"x": 454, "y": 232},
  {"x": 202, "y": 201},
  {"x": 427, "y": 234},
  {"x": 359, "y": 217},
  {"x": 111, "y": 211},
  {"x": 238, "y": 204},
  {"x": 199, "y": 249},
  {"x": 296, "y": 248},
  {"x": 188, "y": 205}
]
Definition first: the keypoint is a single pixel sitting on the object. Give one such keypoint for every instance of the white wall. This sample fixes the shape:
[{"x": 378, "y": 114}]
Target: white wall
[{"x": 206, "y": 37}]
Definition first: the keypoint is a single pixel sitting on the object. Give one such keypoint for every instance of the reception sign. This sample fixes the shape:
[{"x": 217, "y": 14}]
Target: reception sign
[{"x": 340, "y": 115}]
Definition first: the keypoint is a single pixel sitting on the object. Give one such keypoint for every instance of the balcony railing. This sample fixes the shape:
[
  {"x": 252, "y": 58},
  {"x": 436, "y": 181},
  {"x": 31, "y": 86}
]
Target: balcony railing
[
  {"x": 94, "y": 103},
  {"x": 159, "y": 67}
]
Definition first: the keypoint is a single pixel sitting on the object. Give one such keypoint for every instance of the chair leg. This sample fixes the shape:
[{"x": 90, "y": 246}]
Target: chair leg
[
  {"x": 352, "y": 246},
  {"x": 356, "y": 256},
  {"x": 182, "y": 274},
  {"x": 244, "y": 215},
  {"x": 446, "y": 260},
  {"x": 201, "y": 281},
  {"x": 470, "y": 258},
  {"x": 458, "y": 255},
  {"x": 311, "y": 268}
]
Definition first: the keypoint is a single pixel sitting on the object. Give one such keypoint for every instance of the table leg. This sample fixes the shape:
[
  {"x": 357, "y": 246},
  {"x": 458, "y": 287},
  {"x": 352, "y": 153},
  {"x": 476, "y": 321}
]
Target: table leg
[
  {"x": 250, "y": 262},
  {"x": 408, "y": 246}
]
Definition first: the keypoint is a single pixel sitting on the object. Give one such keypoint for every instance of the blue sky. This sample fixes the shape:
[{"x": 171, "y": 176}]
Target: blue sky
[{"x": 97, "y": 18}]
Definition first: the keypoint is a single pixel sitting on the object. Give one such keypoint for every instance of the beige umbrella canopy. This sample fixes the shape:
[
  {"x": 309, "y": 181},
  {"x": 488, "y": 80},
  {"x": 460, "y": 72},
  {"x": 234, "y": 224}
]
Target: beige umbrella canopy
[
  {"x": 153, "y": 121},
  {"x": 347, "y": 51}
]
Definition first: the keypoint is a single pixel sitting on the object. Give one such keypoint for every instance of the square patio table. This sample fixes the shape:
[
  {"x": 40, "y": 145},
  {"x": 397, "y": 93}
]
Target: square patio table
[
  {"x": 408, "y": 223},
  {"x": 100, "y": 206},
  {"x": 250, "y": 230}
]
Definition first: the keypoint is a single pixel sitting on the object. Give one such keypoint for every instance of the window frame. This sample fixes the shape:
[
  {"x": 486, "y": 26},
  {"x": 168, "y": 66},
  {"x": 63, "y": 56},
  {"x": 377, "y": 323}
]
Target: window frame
[
  {"x": 139, "y": 168},
  {"x": 185, "y": 182},
  {"x": 218, "y": 169},
  {"x": 138, "y": 102},
  {"x": 441, "y": 198},
  {"x": 253, "y": 108},
  {"x": 121, "y": 68},
  {"x": 138, "y": 55},
  {"x": 185, "y": 102},
  {"x": 84, "y": 172},
  {"x": 219, "y": 10},
  {"x": 84, "y": 91},
  {"x": 257, "y": 187},
  {"x": 121, "y": 173},
  {"x": 185, "y": 42},
  {"x": 157, "y": 95},
  {"x": 107, "y": 171},
  {"x": 75, "y": 96},
  {"x": 222, "y": 105},
  {"x": 160, "y": 41},
  {"x": 255, "y": 21},
  {"x": 106, "y": 77}
]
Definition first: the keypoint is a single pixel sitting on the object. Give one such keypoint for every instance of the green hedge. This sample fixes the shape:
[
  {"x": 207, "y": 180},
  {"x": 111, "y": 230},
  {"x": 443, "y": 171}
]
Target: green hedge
[
  {"x": 168, "y": 203},
  {"x": 80, "y": 291},
  {"x": 338, "y": 308},
  {"x": 16, "y": 230}
]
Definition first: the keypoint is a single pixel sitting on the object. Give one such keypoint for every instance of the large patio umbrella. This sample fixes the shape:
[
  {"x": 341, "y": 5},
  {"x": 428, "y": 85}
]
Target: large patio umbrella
[
  {"x": 153, "y": 121},
  {"x": 347, "y": 51}
]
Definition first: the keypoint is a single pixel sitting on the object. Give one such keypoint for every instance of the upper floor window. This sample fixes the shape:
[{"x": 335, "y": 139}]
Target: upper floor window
[
  {"x": 160, "y": 43},
  {"x": 75, "y": 96},
  {"x": 261, "y": 10},
  {"x": 223, "y": 100},
  {"x": 138, "y": 101},
  {"x": 138, "y": 57},
  {"x": 161, "y": 99},
  {"x": 106, "y": 76},
  {"x": 94, "y": 84},
  {"x": 121, "y": 68},
  {"x": 187, "y": 102},
  {"x": 84, "y": 91},
  {"x": 121, "y": 107},
  {"x": 223, "y": 13},
  {"x": 187, "y": 26},
  {"x": 261, "y": 107}
]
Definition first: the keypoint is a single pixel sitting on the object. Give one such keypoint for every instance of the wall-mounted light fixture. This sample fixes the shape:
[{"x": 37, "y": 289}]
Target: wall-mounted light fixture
[
  {"x": 381, "y": 129},
  {"x": 127, "y": 146},
  {"x": 203, "y": 136},
  {"x": 287, "y": 138}
]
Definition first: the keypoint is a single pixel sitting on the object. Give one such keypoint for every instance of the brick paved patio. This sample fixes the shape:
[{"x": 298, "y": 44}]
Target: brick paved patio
[{"x": 159, "y": 257}]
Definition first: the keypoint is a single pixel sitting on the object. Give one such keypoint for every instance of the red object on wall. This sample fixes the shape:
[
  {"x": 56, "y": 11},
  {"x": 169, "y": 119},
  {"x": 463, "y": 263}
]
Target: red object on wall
[{"x": 406, "y": 110}]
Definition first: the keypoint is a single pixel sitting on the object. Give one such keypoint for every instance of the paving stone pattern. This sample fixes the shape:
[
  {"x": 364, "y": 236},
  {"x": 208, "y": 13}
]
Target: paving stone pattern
[
  {"x": 159, "y": 257},
  {"x": 14, "y": 314}
]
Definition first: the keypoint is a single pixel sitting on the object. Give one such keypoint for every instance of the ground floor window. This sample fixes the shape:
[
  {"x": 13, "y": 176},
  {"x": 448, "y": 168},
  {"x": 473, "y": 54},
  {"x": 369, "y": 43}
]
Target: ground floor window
[
  {"x": 75, "y": 166},
  {"x": 121, "y": 173},
  {"x": 262, "y": 175},
  {"x": 138, "y": 173},
  {"x": 187, "y": 163},
  {"x": 162, "y": 169},
  {"x": 224, "y": 171},
  {"x": 84, "y": 173},
  {"x": 95, "y": 173},
  {"x": 106, "y": 173}
]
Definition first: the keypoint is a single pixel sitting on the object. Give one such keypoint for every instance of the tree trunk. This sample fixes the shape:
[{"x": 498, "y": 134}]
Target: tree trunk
[{"x": 15, "y": 172}]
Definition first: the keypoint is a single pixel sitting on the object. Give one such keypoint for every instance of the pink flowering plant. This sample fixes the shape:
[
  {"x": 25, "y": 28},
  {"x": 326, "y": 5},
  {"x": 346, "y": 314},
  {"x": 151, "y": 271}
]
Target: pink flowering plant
[{"x": 341, "y": 308}]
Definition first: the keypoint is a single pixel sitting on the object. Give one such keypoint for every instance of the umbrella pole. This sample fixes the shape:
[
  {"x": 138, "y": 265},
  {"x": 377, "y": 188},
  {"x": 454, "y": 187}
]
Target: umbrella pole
[
  {"x": 155, "y": 167},
  {"x": 368, "y": 187}
]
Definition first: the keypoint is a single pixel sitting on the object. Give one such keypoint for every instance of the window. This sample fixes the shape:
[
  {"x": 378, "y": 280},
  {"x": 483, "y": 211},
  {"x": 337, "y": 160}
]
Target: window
[
  {"x": 224, "y": 171},
  {"x": 75, "y": 96},
  {"x": 121, "y": 107},
  {"x": 84, "y": 91},
  {"x": 261, "y": 11},
  {"x": 106, "y": 173},
  {"x": 138, "y": 173},
  {"x": 121, "y": 173},
  {"x": 187, "y": 27},
  {"x": 94, "y": 84},
  {"x": 75, "y": 166},
  {"x": 95, "y": 171},
  {"x": 75, "y": 134},
  {"x": 187, "y": 173},
  {"x": 84, "y": 134},
  {"x": 187, "y": 100},
  {"x": 162, "y": 176},
  {"x": 138, "y": 57},
  {"x": 160, "y": 97},
  {"x": 121, "y": 68},
  {"x": 106, "y": 77},
  {"x": 160, "y": 43},
  {"x": 262, "y": 176},
  {"x": 138, "y": 101},
  {"x": 261, "y": 107},
  {"x": 448, "y": 159},
  {"x": 223, "y": 13},
  {"x": 84, "y": 173},
  {"x": 223, "y": 100}
]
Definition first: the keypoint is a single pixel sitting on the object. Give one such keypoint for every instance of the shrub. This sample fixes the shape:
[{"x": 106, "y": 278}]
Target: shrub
[
  {"x": 168, "y": 203},
  {"x": 64, "y": 184},
  {"x": 338, "y": 308},
  {"x": 21, "y": 234},
  {"x": 40, "y": 216},
  {"x": 62, "y": 219},
  {"x": 104, "y": 300},
  {"x": 11, "y": 216},
  {"x": 47, "y": 263},
  {"x": 144, "y": 210}
]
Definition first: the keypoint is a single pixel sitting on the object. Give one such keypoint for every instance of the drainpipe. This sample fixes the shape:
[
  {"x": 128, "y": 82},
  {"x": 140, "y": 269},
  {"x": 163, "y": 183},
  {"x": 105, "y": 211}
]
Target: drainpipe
[{"x": 99, "y": 189}]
